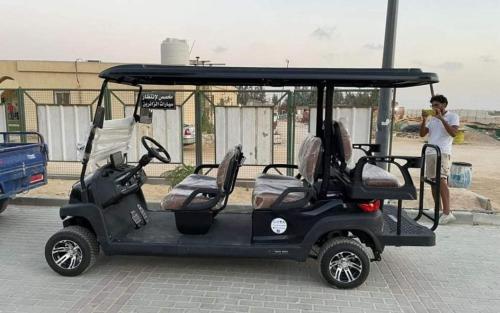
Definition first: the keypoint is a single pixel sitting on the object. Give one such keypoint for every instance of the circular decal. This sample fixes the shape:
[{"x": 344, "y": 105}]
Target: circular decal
[{"x": 278, "y": 225}]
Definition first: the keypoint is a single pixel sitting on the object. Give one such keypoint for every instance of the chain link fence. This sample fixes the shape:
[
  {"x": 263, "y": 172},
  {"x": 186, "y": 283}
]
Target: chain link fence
[{"x": 270, "y": 124}]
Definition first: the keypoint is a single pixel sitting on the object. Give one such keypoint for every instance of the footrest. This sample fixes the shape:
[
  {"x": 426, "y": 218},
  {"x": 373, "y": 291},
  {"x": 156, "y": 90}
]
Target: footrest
[{"x": 412, "y": 233}]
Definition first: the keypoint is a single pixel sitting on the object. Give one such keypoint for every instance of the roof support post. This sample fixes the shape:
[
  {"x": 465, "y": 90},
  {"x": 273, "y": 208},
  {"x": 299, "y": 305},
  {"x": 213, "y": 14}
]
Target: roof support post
[
  {"x": 319, "y": 111},
  {"x": 384, "y": 108},
  {"x": 198, "y": 112},
  {"x": 327, "y": 143}
]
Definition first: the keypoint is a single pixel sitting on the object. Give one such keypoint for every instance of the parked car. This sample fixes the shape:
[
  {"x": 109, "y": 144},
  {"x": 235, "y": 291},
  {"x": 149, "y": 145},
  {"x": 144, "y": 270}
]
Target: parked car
[
  {"x": 188, "y": 133},
  {"x": 23, "y": 164}
]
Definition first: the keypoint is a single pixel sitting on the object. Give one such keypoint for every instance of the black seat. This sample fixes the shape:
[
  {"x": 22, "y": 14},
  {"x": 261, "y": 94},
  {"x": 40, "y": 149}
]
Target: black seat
[
  {"x": 199, "y": 197},
  {"x": 283, "y": 192},
  {"x": 366, "y": 180}
]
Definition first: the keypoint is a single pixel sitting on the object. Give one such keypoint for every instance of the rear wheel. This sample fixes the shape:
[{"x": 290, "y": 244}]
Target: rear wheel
[
  {"x": 3, "y": 204},
  {"x": 71, "y": 250},
  {"x": 344, "y": 263}
]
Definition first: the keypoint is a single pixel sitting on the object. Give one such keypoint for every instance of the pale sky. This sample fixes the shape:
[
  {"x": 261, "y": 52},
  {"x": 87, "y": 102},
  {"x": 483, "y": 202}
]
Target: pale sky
[{"x": 459, "y": 40}]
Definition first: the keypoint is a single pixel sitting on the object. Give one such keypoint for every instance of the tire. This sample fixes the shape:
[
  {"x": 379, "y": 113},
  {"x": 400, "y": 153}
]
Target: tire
[
  {"x": 344, "y": 263},
  {"x": 77, "y": 250},
  {"x": 3, "y": 204}
]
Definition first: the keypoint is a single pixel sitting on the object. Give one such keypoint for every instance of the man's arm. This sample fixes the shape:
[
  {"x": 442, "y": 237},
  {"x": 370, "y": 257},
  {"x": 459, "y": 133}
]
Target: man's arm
[
  {"x": 423, "y": 129},
  {"x": 452, "y": 130}
]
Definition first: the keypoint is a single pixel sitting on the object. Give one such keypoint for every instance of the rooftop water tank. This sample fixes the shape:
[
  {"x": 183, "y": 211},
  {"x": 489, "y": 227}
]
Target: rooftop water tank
[{"x": 174, "y": 52}]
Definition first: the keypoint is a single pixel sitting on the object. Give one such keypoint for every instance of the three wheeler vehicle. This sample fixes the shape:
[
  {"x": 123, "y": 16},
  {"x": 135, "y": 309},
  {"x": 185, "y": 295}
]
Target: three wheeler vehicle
[
  {"x": 23, "y": 164},
  {"x": 328, "y": 212}
]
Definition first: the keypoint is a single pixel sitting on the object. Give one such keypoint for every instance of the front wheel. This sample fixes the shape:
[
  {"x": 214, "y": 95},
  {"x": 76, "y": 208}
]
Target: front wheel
[
  {"x": 71, "y": 250},
  {"x": 344, "y": 263},
  {"x": 3, "y": 204}
]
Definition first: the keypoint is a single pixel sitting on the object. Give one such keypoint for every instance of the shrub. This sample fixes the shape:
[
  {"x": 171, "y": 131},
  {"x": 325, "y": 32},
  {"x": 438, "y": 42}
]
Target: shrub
[{"x": 175, "y": 176}]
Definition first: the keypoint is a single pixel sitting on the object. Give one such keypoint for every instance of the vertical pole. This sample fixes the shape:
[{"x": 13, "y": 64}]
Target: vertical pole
[
  {"x": 384, "y": 109},
  {"x": 107, "y": 104},
  {"x": 393, "y": 110},
  {"x": 327, "y": 144},
  {"x": 319, "y": 111},
  {"x": 20, "y": 110},
  {"x": 198, "y": 111},
  {"x": 290, "y": 140}
]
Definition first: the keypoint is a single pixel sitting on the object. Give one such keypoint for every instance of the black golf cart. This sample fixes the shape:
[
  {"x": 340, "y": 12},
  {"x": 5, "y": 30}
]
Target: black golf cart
[{"x": 328, "y": 212}]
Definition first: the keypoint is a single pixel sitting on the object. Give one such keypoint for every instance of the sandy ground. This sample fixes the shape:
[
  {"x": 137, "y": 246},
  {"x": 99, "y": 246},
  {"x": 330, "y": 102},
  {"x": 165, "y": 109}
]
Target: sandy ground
[{"x": 479, "y": 150}]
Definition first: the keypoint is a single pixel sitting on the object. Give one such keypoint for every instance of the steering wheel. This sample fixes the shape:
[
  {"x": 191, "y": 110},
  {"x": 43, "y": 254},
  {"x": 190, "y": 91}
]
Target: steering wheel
[{"x": 155, "y": 149}]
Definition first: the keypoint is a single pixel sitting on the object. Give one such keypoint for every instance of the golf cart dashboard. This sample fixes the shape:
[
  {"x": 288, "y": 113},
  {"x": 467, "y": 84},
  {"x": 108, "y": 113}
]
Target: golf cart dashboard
[{"x": 110, "y": 183}]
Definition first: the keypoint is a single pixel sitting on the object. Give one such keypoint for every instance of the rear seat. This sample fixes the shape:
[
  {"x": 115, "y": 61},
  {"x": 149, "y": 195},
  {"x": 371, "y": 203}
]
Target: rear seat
[
  {"x": 372, "y": 175},
  {"x": 289, "y": 192}
]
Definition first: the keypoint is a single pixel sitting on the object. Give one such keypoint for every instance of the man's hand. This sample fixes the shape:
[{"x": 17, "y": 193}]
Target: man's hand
[
  {"x": 451, "y": 130},
  {"x": 439, "y": 115},
  {"x": 423, "y": 129}
]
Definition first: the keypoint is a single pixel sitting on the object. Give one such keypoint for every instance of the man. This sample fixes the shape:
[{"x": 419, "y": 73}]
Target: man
[{"x": 441, "y": 128}]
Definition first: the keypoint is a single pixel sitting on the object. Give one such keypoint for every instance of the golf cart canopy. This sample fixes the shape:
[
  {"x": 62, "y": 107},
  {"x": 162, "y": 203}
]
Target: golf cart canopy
[{"x": 140, "y": 74}]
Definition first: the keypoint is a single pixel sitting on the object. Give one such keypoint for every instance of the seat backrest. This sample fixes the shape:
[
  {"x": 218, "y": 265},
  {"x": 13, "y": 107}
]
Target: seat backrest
[
  {"x": 308, "y": 159},
  {"x": 342, "y": 145},
  {"x": 228, "y": 169}
]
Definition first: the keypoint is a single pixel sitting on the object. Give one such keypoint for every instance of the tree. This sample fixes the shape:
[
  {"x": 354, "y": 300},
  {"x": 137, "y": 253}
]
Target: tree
[
  {"x": 305, "y": 96},
  {"x": 248, "y": 94}
]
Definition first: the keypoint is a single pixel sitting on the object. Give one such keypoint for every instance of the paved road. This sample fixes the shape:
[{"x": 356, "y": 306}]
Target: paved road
[{"x": 460, "y": 274}]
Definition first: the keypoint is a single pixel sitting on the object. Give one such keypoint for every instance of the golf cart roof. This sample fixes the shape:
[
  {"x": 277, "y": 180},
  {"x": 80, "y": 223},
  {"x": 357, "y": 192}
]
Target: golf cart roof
[{"x": 140, "y": 74}]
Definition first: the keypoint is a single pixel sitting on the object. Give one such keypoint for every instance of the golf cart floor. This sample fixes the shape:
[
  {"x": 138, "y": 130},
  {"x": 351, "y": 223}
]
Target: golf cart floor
[
  {"x": 412, "y": 233},
  {"x": 227, "y": 229}
]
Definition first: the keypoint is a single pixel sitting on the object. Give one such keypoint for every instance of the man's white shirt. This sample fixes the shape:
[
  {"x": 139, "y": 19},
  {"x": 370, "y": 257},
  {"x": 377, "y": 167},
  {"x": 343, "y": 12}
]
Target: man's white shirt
[{"x": 437, "y": 133}]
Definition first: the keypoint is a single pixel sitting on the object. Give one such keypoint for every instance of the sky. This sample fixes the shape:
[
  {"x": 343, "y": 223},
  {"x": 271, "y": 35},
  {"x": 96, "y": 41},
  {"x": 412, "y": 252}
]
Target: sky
[{"x": 459, "y": 40}]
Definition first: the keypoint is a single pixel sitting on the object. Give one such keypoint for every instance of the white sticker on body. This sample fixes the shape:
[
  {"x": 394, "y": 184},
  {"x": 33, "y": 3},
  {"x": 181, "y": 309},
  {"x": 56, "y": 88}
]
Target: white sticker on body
[{"x": 278, "y": 225}]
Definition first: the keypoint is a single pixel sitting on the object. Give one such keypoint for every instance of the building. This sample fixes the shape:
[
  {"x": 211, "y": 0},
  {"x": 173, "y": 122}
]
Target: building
[{"x": 25, "y": 86}]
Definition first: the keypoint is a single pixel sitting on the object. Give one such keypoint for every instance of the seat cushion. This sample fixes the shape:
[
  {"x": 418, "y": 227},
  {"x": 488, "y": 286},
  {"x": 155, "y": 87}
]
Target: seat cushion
[
  {"x": 225, "y": 167},
  {"x": 178, "y": 195},
  {"x": 346, "y": 142},
  {"x": 309, "y": 154},
  {"x": 269, "y": 187},
  {"x": 375, "y": 176}
]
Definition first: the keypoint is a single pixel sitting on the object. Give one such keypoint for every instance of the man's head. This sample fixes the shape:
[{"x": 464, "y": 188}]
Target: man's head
[{"x": 439, "y": 102}]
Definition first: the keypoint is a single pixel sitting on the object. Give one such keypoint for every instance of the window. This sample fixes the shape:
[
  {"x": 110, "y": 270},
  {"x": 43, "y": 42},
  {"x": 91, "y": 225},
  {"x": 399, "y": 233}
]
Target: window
[{"x": 62, "y": 97}]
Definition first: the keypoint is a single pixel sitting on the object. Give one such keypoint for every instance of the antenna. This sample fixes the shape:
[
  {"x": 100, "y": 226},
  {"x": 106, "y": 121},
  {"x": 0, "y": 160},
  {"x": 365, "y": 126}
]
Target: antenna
[{"x": 190, "y": 50}]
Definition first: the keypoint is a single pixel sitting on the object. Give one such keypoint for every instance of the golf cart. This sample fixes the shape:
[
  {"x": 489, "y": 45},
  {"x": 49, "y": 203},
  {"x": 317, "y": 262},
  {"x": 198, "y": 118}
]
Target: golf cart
[{"x": 327, "y": 211}]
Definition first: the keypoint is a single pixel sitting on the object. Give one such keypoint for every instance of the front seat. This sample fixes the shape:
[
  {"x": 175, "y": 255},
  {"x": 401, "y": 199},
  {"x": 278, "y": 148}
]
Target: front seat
[{"x": 199, "y": 197}]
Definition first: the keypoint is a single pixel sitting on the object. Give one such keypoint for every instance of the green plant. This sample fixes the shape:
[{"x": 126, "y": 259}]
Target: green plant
[{"x": 175, "y": 176}]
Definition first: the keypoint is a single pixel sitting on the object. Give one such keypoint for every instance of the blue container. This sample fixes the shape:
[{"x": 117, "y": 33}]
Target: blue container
[{"x": 460, "y": 175}]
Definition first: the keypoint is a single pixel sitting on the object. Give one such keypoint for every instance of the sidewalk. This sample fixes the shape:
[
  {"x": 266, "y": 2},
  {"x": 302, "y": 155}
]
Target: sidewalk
[{"x": 458, "y": 275}]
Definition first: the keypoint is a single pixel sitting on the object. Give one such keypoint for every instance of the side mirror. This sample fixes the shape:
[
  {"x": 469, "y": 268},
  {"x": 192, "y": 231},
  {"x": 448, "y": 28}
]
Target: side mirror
[{"x": 99, "y": 117}]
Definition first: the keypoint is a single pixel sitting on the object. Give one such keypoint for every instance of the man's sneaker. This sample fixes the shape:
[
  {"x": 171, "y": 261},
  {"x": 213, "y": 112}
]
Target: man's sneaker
[{"x": 447, "y": 218}]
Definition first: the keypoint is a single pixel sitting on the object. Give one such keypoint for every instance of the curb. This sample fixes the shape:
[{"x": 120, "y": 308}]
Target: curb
[
  {"x": 463, "y": 217},
  {"x": 57, "y": 202}
]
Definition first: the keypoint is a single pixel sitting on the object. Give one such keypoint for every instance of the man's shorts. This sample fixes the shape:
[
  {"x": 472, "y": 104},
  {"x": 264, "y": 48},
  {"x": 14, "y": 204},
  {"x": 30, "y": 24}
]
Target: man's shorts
[{"x": 430, "y": 165}]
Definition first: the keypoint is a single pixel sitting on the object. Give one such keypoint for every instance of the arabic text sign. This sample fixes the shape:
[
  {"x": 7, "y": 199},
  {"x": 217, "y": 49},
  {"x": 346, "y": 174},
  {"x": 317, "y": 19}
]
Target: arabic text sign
[{"x": 158, "y": 100}]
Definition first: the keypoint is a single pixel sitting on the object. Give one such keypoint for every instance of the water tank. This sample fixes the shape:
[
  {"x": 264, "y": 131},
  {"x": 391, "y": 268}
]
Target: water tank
[{"x": 174, "y": 52}]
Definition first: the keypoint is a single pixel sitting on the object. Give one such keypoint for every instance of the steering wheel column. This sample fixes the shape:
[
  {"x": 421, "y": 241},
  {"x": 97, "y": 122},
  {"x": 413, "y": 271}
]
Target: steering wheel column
[{"x": 155, "y": 151}]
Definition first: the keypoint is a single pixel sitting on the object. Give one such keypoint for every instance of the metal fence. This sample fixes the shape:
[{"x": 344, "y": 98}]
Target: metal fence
[{"x": 270, "y": 124}]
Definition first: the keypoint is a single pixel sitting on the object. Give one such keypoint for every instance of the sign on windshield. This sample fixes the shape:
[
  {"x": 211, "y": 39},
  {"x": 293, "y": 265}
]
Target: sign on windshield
[{"x": 162, "y": 100}]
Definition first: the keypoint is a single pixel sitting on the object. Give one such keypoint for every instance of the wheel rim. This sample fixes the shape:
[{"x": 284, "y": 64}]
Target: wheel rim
[
  {"x": 345, "y": 267},
  {"x": 67, "y": 254}
]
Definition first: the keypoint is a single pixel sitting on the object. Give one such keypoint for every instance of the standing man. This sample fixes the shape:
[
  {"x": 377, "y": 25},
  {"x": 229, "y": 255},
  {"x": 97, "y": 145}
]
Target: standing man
[{"x": 442, "y": 127}]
